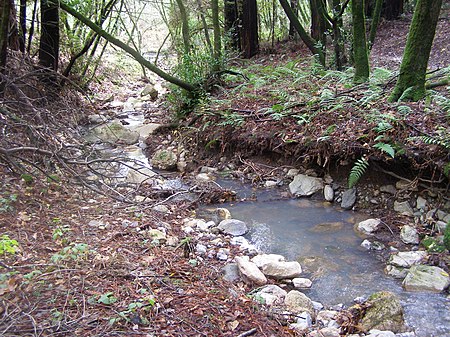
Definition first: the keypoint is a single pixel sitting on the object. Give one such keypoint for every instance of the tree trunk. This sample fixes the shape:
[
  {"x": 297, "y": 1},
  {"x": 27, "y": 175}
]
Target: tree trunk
[
  {"x": 5, "y": 6},
  {"x": 361, "y": 59},
  {"x": 138, "y": 57},
  {"x": 411, "y": 81},
  {"x": 294, "y": 6},
  {"x": 230, "y": 14},
  {"x": 374, "y": 24},
  {"x": 307, "y": 39},
  {"x": 217, "y": 35},
  {"x": 248, "y": 32},
  {"x": 205, "y": 25},
  {"x": 22, "y": 25},
  {"x": 13, "y": 43},
  {"x": 49, "y": 42},
  {"x": 338, "y": 40},
  {"x": 392, "y": 9},
  {"x": 31, "y": 31},
  {"x": 184, "y": 27}
]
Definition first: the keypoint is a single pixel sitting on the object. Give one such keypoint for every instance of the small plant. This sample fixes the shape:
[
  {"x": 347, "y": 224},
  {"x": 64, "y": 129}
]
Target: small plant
[
  {"x": 7, "y": 245},
  {"x": 357, "y": 171},
  {"x": 107, "y": 298},
  {"x": 59, "y": 231},
  {"x": 5, "y": 203},
  {"x": 447, "y": 236},
  {"x": 76, "y": 251}
]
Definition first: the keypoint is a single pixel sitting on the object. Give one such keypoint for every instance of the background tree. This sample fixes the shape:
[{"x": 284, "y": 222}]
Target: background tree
[
  {"x": 230, "y": 14},
  {"x": 185, "y": 31},
  {"x": 248, "y": 27},
  {"x": 411, "y": 81},
  {"x": 5, "y": 6},
  {"x": 360, "y": 57},
  {"x": 49, "y": 40}
]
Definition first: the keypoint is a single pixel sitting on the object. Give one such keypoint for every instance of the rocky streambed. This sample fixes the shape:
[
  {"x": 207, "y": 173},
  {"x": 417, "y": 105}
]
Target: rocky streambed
[{"x": 414, "y": 250}]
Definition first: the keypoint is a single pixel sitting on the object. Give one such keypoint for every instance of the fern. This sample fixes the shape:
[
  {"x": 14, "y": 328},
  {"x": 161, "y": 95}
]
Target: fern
[
  {"x": 444, "y": 142},
  {"x": 404, "y": 109},
  {"x": 387, "y": 148},
  {"x": 357, "y": 171}
]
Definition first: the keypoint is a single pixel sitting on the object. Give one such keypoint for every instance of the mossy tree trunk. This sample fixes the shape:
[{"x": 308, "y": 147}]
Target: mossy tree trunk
[
  {"x": 338, "y": 41},
  {"x": 411, "y": 81},
  {"x": 49, "y": 41},
  {"x": 306, "y": 38},
  {"x": 136, "y": 55},
  {"x": 360, "y": 57},
  {"x": 375, "y": 20},
  {"x": 217, "y": 35},
  {"x": 184, "y": 27}
]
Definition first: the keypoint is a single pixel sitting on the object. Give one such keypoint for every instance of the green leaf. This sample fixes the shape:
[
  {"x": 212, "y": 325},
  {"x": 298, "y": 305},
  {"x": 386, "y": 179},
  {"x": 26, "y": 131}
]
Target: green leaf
[
  {"x": 357, "y": 171},
  {"x": 107, "y": 298},
  {"x": 387, "y": 148}
]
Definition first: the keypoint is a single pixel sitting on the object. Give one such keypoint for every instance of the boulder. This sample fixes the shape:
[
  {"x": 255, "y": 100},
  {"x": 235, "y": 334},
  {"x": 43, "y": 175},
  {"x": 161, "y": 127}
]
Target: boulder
[
  {"x": 325, "y": 332},
  {"x": 348, "y": 198},
  {"x": 407, "y": 259},
  {"x": 272, "y": 295},
  {"x": 403, "y": 207},
  {"x": 379, "y": 333},
  {"x": 368, "y": 226},
  {"x": 384, "y": 312},
  {"x": 282, "y": 270},
  {"x": 164, "y": 159},
  {"x": 147, "y": 129},
  {"x": 390, "y": 189},
  {"x": 263, "y": 259},
  {"x": 149, "y": 90},
  {"x": 233, "y": 227},
  {"x": 421, "y": 203},
  {"x": 230, "y": 272},
  {"x": 304, "y": 185},
  {"x": 409, "y": 235},
  {"x": 396, "y": 272},
  {"x": 115, "y": 132},
  {"x": 328, "y": 193},
  {"x": 250, "y": 271},
  {"x": 426, "y": 278},
  {"x": 139, "y": 176},
  {"x": 297, "y": 302}
]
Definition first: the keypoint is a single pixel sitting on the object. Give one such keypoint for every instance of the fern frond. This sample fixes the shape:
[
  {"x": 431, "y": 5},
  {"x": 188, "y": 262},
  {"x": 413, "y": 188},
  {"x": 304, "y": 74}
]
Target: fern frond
[
  {"x": 357, "y": 171},
  {"x": 444, "y": 142},
  {"x": 387, "y": 148}
]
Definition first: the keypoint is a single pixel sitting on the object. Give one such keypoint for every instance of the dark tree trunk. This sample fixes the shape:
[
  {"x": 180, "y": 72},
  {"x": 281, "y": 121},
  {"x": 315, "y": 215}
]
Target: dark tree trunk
[
  {"x": 338, "y": 41},
  {"x": 392, "y": 9},
  {"x": 49, "y": 42},
  {"x": 360, "y": 57},
  {"x": 294, "y": 6},
  {"x": 13, "y": 29},
  {"x": 375, "y": 20},
  {"x": 319, "y": 23},
  {"x": 411, "y": 81},
  {"x": 22, "y": 25},
  {"x": 5, "y": 6},
  {"x": 231, "y": 24},
  {"x": 248, "y": 17}
]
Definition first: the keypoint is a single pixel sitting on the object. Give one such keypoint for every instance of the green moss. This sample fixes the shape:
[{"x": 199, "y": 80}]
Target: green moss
[{"x": 447, "y": 236}]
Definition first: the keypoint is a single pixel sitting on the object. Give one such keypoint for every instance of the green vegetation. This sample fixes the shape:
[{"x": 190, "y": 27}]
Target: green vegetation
[{"x": 7, "y": 245}]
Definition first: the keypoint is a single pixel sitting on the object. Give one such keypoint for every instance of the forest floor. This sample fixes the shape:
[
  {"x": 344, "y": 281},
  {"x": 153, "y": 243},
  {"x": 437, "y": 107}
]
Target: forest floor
[{"x": 80, "y": 267}]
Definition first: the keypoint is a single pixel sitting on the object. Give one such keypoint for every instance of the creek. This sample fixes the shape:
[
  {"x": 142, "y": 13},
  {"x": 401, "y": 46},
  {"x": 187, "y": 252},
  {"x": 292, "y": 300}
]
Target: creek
[{"x": 321, "y": 238}]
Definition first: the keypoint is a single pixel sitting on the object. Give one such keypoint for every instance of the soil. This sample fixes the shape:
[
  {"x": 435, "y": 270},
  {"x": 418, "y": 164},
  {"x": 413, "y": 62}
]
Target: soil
[{"x": 74, "y": 277}]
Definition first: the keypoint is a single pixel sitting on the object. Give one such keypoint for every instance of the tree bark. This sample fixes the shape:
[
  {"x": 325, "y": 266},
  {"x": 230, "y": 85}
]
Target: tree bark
[
  {"x": 49, "y": 42},
  {"x": 411, "y": 81},
  {"x": 374, "y": 24},
  {"x": 217, "y": 35},
  {"x": 184, "y": 27},
  {"x": 248, "y": 17},
  {"x": 294, "y": 6},
  {"x": 22, "y": 25},
  {"x": 5, "y": 6},
  {"x": 361, "y": 59},
  {"x": 306, "y": 38},
  {"x": 138, "y": 57},
  {"x": 392, "y": 9},
  {"x": 230, "y": 14}
]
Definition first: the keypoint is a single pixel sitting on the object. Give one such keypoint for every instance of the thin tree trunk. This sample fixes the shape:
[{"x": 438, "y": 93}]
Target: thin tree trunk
[
  {"x": 138, "y": 57},
  {"x": 31, "y": 31},
  {"x": 49, "y": 42},
  {"x": 230, "y": 14},
  {"x": 361, "y": 59},
  {"x": 308, "y": 40},
  {"x": 411, "y": 81},
  {"x": 205, "y": 25},
  {"x": 294, "y": 6},
  {"x": 338, "y": 41},
  {"x": 374, "y": 24},
  {"x": 22, "y": 25},
  {"x": 217, "y": 34},
  {"x": 5, "y": 6},
  {"x": 184, "y": 27}
]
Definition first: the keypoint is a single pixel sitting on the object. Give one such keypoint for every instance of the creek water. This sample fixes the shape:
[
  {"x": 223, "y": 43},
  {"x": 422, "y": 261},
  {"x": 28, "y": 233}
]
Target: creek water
[{"x": 322, "y": 239}]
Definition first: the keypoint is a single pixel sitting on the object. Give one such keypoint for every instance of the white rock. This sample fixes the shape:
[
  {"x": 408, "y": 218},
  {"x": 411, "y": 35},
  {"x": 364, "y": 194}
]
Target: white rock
[
  {"x": 292, "y": 173},
  {"x": 421, "y": 203},
  {"x": 407, "y": 259},
  {"x": 200, "y": 249},
  {"x": 233, "y": 227},
  {"x": 325, "y": 316},
  {"x": 223, "y": 254},
  {"x": 409, "y": 235},
  {"x": 204, "y": 177},
  {"x": 270, "y": 183},
  {"x": 325, "y": 332},
  {"x": 282, "y": 270},
  {"x": 300, "y": 282},
  {"x": 368, "y": 226},
  {"x": 403, "y": 207},
  {"x": 379, "y": 333},
  {"x": 297, "y": 302},
  {"x": 396, "y": 272},
  {"x": 250, "y": 271},
  {"x": 328, "y": 193},
  {"x": 426, "y": 278},
  {"x": 272, "y": 295},
  {"x": 263, "y": 259},
  {"x": 366, "y": 244},
  {"x": 304, "y": 185},
  {"x": 317, "y": 305}
]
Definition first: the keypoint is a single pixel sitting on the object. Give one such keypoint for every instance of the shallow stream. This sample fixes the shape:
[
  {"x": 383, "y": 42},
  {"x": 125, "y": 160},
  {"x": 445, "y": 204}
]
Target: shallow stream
[{"x": 322, "y": 239}]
